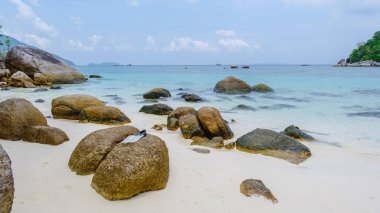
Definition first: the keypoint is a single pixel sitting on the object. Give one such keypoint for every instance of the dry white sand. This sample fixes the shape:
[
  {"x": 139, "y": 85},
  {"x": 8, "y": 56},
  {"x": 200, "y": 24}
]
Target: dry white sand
[{"x": 333, "y": 180}]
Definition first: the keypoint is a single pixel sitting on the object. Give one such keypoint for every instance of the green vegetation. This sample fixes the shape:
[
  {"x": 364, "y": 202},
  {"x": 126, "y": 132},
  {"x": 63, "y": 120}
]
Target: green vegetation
[
  {"x": 6, "y": 42},
  {"x": 367, "y": 51}
]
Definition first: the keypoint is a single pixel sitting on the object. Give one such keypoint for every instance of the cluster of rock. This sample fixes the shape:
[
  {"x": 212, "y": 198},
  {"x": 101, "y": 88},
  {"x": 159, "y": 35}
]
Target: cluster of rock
[
  {"x": 87, "y": 108},
  {"x": 232, "y": 85},
  {"x": 20, "y": 120},
  {"x": 158, "y": 93},
  {"x": 7, "y": 189},
  {"x": 121, "y": 170},
  {"x": 368, "y": 63},
  {"x": 29, "y": 67}
]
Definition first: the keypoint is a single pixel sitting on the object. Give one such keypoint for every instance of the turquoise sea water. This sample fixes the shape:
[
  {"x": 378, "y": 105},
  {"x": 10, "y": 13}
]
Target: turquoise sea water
[{"x": 338, "y": 106}]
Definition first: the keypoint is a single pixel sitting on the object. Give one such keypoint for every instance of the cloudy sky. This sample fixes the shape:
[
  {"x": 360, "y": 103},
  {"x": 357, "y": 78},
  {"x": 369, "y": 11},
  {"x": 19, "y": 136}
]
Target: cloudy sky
[{"x": 193, "y": 31}]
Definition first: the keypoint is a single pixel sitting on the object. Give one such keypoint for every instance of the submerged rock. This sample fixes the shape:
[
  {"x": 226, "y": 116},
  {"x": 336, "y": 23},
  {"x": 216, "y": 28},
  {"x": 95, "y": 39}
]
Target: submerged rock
[
  {"x": 271, "y": 143},
  {"x": 70, "y": 106},
  {"x": 244, "y": 107},
  {"x": 92, "y": 149},
  {"x": 45, "y": 135},
  {"x": 201, "y": 150},
  {"x": 213, "y": 123},
  {"x": 190, "y": 126},
  {"x": 103, "y": 115},
  {"x": 191, "y": 97},
  {"x": 95, "y": 76},
  {"x": 232, "y": 85},
  {"x": 157, "y": 109},
  {"x": 39, "y": 101},
  {"x": 255, "y": 187},
  {"x": 7, "y": 189},
  {"x": 216, "y": 142},
  {"x": 55, "y": 87},
  {"x": 262, "y": 88},
  {"x": 133, "y": 168},
  {"x": 295, "y": 132},
  {"x": 157, "y": 93},
  {"x": 174, "y": 116},
  {"x": 41, "y": 90}
]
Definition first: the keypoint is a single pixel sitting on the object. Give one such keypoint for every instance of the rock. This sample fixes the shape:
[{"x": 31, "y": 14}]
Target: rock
[
  {"x": 271, "y": 143},
  {"x": 7, "y": 189},
  {"x": 16, "y": 115},
  {"x": 132, "y": 168},
  {"x": 20, "y": 79},
  {"x": 297, "y": 133},
  {"x": 245, "y": 67},
  {"x": 342, "y": 63},
  {"x": 190, "y": 126},
  {"x": 251, "y": 187},
  {"x": 216, "y": 142},
  {"x": 233, "y": 121},
  {"x": 103, "y": 115},
  {"x": 45, "y": 135},
  {"x": 157, "y": 93},
  {"x": 174, "y": 116},
  {"x": 95, "y": 76},
  {"x": 191, "y": 98},
  {"x": 367, "y": 63},
  {"x": 213, "y": 123},
  {"x": 39, "y": 101},
  {"x": 262, "y": 88},
  {"x": 157, "y": 109},
  {"x": 92, "y": 149},
  {"x": 41, "y": 80},
  {"x": 234, "y": 67},
  {"x": 70, "y": 106},
  {"x": 55, "y": 87},
  {"x": 201, "y": 150},
  {"x": 244, "y": 107},
  {"x": 232, "y": 85},
  {"x": 41, "y": 90},
  {"x": 230, "y": 146},
  {"x": 157, "y": 127},
  {"x": 4, "y": 73},
  {"x": 31, "y": 60}
]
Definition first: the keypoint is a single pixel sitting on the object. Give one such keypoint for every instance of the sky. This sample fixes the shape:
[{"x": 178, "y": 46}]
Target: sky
[{"x": 193, "y": 31}]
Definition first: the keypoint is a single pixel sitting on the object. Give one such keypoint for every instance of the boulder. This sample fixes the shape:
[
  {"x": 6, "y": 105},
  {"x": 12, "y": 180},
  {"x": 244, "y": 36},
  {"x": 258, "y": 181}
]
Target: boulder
[
  {"x": 232, "y": 85},
  {"x": 261, "y": 88},
  {"x": 297, "y": 133},
  {"x": 132, "y": 168},
  {"x": 190, "y": 126},
  {"x": 271, "y": 143},
  {"x": 16, "y": 115},
  {"x": 157, "y": 93},
  {"x": 4, "y": 73},
  {"x": 95, "y": 76},
  {"x": 191, "y": 98},
  {"x": 7, "y": 189},
  {"x": 174, "y": 116},
  {"x": 40, "y": 79},
  {"x": 70, "y": 106},
  {"x": 20, "y": 79},
  {"x": 216, "y": 142},
  {"x": 213, "y": 123},
  {"x": 45, "y": 135},
  {"x": 31, "y": 60},
  {"x": 92, "y": 149},
  {"x": 255, "y": 187},
  {"x": 55, "y": 87},
  {"x": 103, "y": 115},
  {"x": 157, "y": 109}
]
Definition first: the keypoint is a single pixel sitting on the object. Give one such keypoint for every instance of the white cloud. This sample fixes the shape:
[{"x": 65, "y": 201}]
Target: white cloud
[
  {"x": 77, "y": 20},
  {"x": 234, "y": 44},
  {"x": 89, "y": 46},
  {"x": 27, "y": 12},
  {"x": 151, "y": 44},
  {"x": 188, "y": 44},
  {"x": 31, "y": 39},
  {"x": 226, "y": 33},
  {"x": 133, "y": 3}
]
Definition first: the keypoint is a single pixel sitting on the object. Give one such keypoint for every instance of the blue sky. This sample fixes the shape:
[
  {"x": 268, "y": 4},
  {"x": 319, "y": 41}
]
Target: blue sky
[{"x": 193, "y": 31}]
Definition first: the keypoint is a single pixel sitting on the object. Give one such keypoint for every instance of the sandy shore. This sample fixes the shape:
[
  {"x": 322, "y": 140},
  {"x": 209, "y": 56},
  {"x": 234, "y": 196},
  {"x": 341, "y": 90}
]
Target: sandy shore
[{"x": 334, "y": 179}]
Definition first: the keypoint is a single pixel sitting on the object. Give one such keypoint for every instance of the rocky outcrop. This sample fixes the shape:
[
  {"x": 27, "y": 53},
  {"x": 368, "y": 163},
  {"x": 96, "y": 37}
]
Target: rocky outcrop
[
  {"x": 31, "y": 60},
  {"x": 93, "y": 149},
  {"x": 261, "y": 88},
  {"x": 271, "y": 143},
  {"x": 157, "y": 93},
  {"x": 232, "y": 85},
  {"x": 132, "y": 168},
  {"x": 368, "y": 63},
  {"x": 7, "y": 189},
  {"x": 255, "y": 187},
  {"x": 157, "y": 109},
  {"x": 16, "y": 115},
  {"x": 20, "y": 79},
  {"x": 297, "y": 133},
  {"x": 173, "y": 118},
  {"x": 213, "y": 123},
  {"x": 216, "y": 142},
  {"x": 70, "y": 106},
  {"x": 190, "y": 126},
  {"x": 45, "y": 135},
  {"x": 103, "y": 115}
]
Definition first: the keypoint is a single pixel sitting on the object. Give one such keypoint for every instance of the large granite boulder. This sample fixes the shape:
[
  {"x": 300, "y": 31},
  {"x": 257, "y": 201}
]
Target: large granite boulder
[
  {"x": 261, "y": 88},
  {"x": 157, "y": 109},
  {"x": 213, "y": 123},
  {"x": 45, "y": 135},
  {"x": 173, "y": 118},
  {"x": 296, "y": 133},
  {"x": 20, "y": 79},
  {"x": 103, "y": 115},
  {"x": 7, "y": 189},
  {"x": 271, "y": 143},
  {"x": 157, "y": 93},
  {"x": 132, "y": 168},
  {"x": 190, "y": 126},
  {"x": 92, "y": 149},
  {"x": 16, "y": 115},
  {"x": 232, "y": 85},
  {"x": 256, "y": 187},
  {"x": 70, "y": 106},
  {"x": 41, "y": 80},
  {"x": 31, "y": 60}
]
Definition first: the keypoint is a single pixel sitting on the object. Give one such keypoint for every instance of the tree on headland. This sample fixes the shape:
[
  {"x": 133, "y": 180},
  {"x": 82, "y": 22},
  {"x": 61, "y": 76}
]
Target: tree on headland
[
  {"x": 7, "y": 43},
  {"x": 369, "y": 50}
]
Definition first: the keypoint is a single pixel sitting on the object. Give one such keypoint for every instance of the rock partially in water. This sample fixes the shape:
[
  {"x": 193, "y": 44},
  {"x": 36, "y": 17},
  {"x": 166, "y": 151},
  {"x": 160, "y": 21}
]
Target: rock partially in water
[
  {"x": 232, "y": 85},
  {"x": 261, "y": 88},
  {"x": 45, "y": 135},
  {"x": 7, "y": 189},
  {"x": 174, "y": 116},
  {"x": 55, "y": 87},
  {"x": 133, "y": 168},
  {"x": 216, "y": 142},
  {"x": 201, "y": 150},
  {"x": 256, "y": 187},
  {"x": 271, "y": 143},
  {"x": 191, "y": 98},
  {"x": 213, "y": 124},
  {"x": 190, "y": 126},
  {"x": 95, "y": 76},
  {"x": 244, "y": 107},
  {"x": 41, "y": 90},
  {"x": 103, "y": 115},
  {"x": 92, "y": 149},
  {"x": 40, "y": 101},
  {"x": 157, "y": 109},
  {"x": 157, "y": 93},
  {"x": 296, "y": 133}
]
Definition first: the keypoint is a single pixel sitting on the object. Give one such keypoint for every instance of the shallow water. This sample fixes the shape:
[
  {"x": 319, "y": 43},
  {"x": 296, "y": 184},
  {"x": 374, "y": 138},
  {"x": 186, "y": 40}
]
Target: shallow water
[{"x": 338, "y": 106}]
